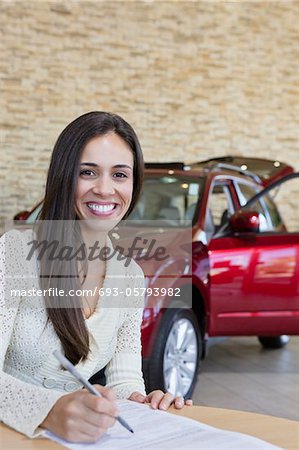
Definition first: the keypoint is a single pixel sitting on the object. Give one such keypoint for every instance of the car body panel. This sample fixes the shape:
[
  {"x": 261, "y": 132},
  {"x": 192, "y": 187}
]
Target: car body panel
[{"x": 254, "y": 282}]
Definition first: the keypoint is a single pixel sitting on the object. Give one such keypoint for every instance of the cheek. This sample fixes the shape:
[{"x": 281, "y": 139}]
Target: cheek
[
  {"x": 126, "y": 192},
  {"x": 78, "y": 194},
  {"x": 81, "y": 189},
  {"x": 129, "y": 193}
]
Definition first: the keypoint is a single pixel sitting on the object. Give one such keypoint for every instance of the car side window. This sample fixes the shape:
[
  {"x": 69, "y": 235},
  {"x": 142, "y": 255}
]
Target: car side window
[
  {"x": 34, "y": 215},
  {"x": 274, "y": 214},
  {"x": 245, "y": 192},
  {"x": 220, "y": 207},
  {"x": 280, "y": 199}
]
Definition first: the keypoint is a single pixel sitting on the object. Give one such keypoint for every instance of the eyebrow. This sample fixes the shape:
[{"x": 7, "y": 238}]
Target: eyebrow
[{"x": 117, "y": 166}]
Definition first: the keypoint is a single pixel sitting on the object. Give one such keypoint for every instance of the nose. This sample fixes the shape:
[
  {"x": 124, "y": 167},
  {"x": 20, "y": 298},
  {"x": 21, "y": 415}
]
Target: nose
[{"x": 104, "y": 186}]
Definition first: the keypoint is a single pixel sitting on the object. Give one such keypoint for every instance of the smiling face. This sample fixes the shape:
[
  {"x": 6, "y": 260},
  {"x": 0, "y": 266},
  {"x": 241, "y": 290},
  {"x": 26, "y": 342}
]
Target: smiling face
[{"x": 105, "y": 183}]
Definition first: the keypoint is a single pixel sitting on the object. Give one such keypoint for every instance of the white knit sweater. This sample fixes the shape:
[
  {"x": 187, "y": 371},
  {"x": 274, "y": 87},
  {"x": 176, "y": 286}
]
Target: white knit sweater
[{"x": 31, "y": 378}]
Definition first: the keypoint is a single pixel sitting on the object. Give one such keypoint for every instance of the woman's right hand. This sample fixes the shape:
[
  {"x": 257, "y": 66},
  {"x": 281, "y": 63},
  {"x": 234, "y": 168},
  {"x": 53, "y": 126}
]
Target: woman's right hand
[{"x": 82, "y": 416}]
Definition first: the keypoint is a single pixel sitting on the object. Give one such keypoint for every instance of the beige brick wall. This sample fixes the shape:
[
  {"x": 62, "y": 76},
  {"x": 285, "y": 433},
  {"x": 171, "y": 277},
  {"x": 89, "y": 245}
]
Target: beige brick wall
[{"x": 196, "y": 79}]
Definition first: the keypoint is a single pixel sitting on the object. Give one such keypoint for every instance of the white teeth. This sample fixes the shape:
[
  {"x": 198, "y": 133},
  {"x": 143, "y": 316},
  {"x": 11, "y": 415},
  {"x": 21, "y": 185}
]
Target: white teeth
[{"x": 100, "y": 208}]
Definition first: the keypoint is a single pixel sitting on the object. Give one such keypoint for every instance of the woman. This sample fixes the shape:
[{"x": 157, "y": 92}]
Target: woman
[{"x": 94, "y": 181}]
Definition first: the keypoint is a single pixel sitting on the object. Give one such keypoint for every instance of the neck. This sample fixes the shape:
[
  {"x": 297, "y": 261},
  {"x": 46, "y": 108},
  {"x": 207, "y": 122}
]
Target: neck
[{"x": 92, "y": 238}]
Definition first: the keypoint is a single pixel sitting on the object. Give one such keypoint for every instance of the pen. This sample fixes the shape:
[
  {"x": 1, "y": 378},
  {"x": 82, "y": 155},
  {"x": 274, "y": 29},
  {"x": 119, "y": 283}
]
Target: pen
[{"x": 72, "y": 369}]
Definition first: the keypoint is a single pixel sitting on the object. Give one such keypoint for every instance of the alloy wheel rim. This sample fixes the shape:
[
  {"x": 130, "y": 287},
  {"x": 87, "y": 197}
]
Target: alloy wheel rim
[{"x": 180, "y": 357}]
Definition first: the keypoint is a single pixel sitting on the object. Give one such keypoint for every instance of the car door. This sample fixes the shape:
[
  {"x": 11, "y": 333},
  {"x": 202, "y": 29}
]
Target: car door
[{"x": 254, "y": 277}]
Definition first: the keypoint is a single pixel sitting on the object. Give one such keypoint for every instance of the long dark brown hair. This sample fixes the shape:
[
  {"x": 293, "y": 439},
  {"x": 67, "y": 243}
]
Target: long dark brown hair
[{"x": 66, "y": 313}]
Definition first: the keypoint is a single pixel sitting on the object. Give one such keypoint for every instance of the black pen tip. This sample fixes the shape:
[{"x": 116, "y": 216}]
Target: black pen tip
[{"x": 124, "y": 424}]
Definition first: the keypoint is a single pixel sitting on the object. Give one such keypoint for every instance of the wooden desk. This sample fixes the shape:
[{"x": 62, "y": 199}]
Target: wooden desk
[{"x": 281, "y": 432}]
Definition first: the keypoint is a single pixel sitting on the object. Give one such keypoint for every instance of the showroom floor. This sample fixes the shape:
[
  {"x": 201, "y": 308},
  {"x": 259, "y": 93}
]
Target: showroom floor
[{"x": 238, "y": 374}]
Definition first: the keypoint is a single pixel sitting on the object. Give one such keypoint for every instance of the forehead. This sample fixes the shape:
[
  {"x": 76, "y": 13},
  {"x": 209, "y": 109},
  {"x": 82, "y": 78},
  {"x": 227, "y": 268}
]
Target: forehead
[{"x": 107, "y": 148}]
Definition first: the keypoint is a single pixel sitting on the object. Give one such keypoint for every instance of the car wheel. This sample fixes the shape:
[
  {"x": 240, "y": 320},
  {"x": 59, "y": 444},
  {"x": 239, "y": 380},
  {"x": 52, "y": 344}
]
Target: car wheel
[
  {"x": 274, "y": 341},
  {"x": 174, "y": 364}
]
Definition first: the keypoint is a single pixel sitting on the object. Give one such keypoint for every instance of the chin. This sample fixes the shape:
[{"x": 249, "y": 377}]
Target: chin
[{"x": 104, "y": 225}]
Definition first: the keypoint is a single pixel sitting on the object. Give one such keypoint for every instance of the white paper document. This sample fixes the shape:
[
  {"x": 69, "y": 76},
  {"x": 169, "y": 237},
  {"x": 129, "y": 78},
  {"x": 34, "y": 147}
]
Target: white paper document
[{"x": 154, "y": 429}]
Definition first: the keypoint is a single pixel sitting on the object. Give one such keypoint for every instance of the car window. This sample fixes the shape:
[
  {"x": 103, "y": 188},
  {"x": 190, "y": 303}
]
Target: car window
[
  {"x": 283, "y": 195},
  {"x": 268, "y": 214},
  {"x": 220, "y": 207},
  {"x": 272, "y": 211},
  {"x": 33, "y": 215},
  {"x": 168, "y": 198}
]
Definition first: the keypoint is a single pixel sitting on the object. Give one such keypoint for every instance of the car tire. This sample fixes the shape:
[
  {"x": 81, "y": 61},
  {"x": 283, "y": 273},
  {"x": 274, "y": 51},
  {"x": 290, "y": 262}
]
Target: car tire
[
  {"x": 168, "y": 368},
  {"x": 274, "y": 341}
]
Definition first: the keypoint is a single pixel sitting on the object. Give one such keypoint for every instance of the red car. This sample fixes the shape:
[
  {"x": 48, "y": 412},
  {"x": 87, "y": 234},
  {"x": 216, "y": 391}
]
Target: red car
[{"x": 242, "y": 274}]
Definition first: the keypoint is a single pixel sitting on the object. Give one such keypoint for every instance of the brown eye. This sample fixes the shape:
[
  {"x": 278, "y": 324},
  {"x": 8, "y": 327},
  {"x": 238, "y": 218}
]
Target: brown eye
[
  {"x": 87, "y": 172},
  {"x": 120, "y": 175}
]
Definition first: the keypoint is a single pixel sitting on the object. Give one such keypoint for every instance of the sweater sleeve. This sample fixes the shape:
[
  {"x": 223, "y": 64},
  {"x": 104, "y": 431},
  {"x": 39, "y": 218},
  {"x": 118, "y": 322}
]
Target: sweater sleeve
[
  {"x": 123, "y": 372},
  {"x": 23, "y": 406}
]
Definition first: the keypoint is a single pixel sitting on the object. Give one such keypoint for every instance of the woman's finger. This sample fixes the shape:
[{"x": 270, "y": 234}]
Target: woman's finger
[
  {"x": 154, "y": 398},
  {"x": 166, "y": 401},
  {"x": 179, "y": 402},
  {"x": 100, "y": 405},
  {"x": 137, "y": 397}
]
